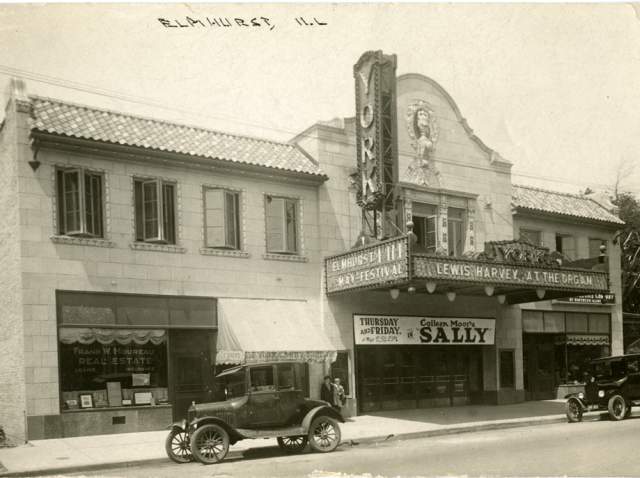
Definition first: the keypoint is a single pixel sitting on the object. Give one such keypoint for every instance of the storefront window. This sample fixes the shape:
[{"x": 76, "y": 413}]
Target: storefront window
[
  {"x": 507, "y": 370},
  {"x": 115, "y": 366}
]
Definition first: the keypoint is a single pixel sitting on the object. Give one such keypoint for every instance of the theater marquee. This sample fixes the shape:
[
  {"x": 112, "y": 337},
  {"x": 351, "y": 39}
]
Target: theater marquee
[
  {"x": 382, "y": 264},
  {"x": 409, "y": 330}
]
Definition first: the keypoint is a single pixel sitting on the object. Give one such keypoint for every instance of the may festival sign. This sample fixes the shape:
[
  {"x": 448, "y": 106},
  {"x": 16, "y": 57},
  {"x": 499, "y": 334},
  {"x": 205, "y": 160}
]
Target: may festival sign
[{"x": 410, "y": 330}]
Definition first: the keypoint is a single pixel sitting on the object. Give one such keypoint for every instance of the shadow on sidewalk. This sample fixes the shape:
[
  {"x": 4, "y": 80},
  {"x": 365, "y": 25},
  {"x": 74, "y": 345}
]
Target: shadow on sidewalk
[{"x": 476, "y": 413}]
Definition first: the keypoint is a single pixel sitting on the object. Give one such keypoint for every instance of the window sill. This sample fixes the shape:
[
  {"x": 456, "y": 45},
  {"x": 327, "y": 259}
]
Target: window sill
[
  {"x": 111, "y": 409},
  {"x": 83, "y": 241},
  {"x": 284, "y": 257},
  {"x": 210, "y": 251},
  {"x": 147, "y": 246}
]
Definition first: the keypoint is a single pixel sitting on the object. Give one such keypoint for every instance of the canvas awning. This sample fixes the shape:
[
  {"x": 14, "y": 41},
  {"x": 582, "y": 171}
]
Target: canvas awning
[
  {"x": 72, "y": 335},
  {"x": 251, "y": 331},
  {"x": 584, "y": 339}
]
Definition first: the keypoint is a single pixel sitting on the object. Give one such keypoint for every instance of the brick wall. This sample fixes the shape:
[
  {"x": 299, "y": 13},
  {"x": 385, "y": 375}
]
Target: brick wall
[{"x": 12, "y": 391}]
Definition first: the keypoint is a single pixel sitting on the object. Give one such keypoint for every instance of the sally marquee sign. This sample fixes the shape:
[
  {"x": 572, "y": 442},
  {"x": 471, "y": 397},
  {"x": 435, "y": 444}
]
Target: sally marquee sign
[
  {"x": 381, "y": 264},
  {"x": 408, "y": 330}
]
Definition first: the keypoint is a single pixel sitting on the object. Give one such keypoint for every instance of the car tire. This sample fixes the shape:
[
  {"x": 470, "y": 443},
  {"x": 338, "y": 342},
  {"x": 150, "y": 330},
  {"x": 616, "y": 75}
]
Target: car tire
[
  {"x": 617, "y": 407},
  {"x": 177, "y": 446},
  {"x": 293, "y": 444},
  {"x": 324, "y": 434},
  {"x": 573, "y": 410},
  {"x": 210, "y": 444}
]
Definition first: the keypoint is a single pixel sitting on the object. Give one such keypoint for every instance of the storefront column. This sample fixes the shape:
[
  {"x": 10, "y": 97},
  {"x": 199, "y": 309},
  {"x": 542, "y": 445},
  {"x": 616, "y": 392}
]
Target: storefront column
[{"x": 508, "y": 339}]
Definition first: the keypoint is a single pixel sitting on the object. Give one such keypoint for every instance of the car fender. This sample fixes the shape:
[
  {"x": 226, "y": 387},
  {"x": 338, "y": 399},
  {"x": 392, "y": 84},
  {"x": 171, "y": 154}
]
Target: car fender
[
  {"x": 197, "y": 423},
  {"x": 319, "y": 411},
  {"x": 574, "y": 396},
  {"x": 181, "y": 425}
]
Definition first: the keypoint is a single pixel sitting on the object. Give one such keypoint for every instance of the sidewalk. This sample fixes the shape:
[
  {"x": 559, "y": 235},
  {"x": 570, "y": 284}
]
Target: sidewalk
[{"x": 62, "y": 455}]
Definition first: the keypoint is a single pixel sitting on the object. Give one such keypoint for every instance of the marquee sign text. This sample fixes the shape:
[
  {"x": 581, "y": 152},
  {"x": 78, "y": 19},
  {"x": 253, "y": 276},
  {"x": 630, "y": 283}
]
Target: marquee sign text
[
  {"x": 407, "y": 330},
  {"x": 380, "y": 264},
  {"x": 496, "y": 273}
]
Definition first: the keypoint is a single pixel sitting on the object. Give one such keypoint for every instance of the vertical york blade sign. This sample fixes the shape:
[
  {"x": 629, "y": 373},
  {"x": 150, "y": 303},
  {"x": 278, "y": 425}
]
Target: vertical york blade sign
[{"x": 375, "y": 75}]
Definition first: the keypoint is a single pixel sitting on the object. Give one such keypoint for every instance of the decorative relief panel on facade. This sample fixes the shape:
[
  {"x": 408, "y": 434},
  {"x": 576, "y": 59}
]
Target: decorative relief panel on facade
[
  {"x": 470, "y": 240},
  {"x": 423, "y": 131},
  {"x": 443, "y": 240}
]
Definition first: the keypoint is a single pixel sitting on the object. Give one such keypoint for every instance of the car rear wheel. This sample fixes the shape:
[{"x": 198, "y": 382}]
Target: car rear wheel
[
  {"x": 573, "y": 410},
  {"x": 210, "y": 444},
  {"x": 177, "y": 446},
  {"x": 324, "y": 434},
  {"x": 293, "y": 444},
  {"x": 617, "y": 407}
]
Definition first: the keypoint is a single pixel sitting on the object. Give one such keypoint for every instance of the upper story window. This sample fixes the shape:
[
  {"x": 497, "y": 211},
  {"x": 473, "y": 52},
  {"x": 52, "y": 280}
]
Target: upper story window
[
  {"x": 566, "y": 245},
  {"x": 531, "y": 236},
  {"x": 222, "y": 218},
  {"x": 80, "y": 202},
  {"x": 425, "y": 218},
  {"x": 282, "y": 225},
  {"x": 155, "y": 211},
  {"x": 594, "y": 246},
  {"x": 456, "y": 231}
]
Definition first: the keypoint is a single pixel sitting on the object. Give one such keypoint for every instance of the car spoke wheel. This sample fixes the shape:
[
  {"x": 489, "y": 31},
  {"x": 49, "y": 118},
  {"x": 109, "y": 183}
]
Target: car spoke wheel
[
  {"x": 324, "y": 434},
  {"x": 177, "y": 446},
  {"x": 573, "y": 410},
  {"x": 617, "y": 407},
  {"x": 210, "y": 444},
  {"x": 293, "y": 444}
]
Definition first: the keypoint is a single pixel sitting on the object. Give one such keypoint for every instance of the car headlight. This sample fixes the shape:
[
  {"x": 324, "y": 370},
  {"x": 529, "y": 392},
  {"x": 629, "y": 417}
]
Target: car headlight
[
  {"x": 581, "y": 395},
  {"x": 601, "y": 393}
]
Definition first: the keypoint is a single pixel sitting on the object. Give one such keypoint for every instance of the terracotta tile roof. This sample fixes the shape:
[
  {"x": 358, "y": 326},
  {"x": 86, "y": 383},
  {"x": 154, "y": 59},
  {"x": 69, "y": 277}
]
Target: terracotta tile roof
[
  {"x": 84, "y": 122},
  {"x": 528, "y": 198}
]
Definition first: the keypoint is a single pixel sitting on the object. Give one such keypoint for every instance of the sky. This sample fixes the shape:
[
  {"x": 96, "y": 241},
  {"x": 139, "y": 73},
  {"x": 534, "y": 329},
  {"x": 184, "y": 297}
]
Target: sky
[{"x": 554, "y": 88}]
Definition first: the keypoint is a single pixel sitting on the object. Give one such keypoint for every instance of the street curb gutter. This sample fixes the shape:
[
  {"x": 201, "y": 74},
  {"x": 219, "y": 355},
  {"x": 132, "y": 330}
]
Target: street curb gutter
[{"x": 361, "y": 441}]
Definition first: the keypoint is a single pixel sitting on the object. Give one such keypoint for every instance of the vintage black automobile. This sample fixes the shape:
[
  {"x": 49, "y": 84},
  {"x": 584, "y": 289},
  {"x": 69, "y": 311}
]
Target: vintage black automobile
[
  {"x": 613, "y": 384},
  {"x": 258, "y": 401}
]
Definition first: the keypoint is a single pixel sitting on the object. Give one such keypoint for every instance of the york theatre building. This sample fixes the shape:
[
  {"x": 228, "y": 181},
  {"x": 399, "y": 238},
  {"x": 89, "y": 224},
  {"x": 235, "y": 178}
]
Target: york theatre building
[{"x": 390, "y": 249}]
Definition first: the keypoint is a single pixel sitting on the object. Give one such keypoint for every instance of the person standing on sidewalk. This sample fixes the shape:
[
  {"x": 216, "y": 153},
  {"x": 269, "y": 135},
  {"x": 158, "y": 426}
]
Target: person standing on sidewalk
[
  {"x": 327, "y": 391},
  {"x": 339, "y": 396}
]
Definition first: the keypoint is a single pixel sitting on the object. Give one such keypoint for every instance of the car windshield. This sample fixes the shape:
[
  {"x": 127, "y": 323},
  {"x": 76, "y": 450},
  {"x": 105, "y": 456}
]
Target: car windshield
[
  {"x": 234, "y": 385},
  {"x": 610, "y": 370}
]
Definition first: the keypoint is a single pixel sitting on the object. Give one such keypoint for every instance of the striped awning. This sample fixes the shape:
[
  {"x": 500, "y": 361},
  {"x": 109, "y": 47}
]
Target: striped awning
[{"x": 584, "y": 339}]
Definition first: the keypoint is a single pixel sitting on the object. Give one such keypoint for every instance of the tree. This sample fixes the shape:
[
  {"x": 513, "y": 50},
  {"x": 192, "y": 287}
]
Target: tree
[{"x": 629, "y": 239}]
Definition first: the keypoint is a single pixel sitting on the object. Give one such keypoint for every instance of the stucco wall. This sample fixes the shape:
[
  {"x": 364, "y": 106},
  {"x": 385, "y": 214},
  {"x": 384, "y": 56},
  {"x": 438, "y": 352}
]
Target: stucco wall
[
  {"x": 48, "y": 265},
  {"x": 12, "y": 389}
]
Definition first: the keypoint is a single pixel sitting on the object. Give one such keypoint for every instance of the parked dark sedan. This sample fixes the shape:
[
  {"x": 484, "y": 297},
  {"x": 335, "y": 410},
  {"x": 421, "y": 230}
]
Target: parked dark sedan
[
  {"x": 259, "y": 401},
  {"x": 613, "y": 385}
]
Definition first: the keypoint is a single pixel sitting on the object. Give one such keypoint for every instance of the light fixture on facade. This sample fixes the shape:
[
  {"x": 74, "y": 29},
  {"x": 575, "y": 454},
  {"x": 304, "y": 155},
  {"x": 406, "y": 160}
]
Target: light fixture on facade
[
  {"x": 431, "y": 287},
  {"x": 395, "y": 293},
  {"x": 411, "y": 290},
  {"x": 451, "y": 295},
  {"x": 489, "y": 289},
  {"x": 502, "y": 299},
  {"x": 540, "y": 293}
]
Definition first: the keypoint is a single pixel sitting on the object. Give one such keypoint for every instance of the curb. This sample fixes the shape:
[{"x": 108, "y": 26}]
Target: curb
[{"x": 454, "y": 430}]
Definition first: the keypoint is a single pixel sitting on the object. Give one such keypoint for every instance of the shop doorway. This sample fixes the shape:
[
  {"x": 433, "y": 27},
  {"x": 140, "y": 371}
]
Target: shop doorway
[
  {"x": 190, "y": 371},
  {"x": 539, "y": 366},
  {"x": 393, "y": 378}
]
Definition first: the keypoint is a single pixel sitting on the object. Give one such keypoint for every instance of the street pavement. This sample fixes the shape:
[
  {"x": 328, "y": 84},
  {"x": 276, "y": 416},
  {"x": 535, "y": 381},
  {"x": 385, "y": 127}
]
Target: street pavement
[{"x": 596, "y": 448}]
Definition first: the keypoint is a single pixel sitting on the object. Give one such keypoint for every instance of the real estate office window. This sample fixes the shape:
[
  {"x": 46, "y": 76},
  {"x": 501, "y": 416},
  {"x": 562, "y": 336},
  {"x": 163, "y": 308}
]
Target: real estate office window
[
  {"x": 282, "y": 225},
  {"x": 155, "y": 204},
  {"x": 80, "y": 202},
  {"x": 222, "y": 218}
]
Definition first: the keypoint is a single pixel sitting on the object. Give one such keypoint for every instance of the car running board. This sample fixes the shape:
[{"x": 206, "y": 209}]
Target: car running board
[{"x": 276, "y": 432}]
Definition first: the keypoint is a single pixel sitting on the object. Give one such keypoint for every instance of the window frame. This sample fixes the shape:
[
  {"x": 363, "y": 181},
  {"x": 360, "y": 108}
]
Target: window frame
[
  {"x": 461, "y": 222},
  {"x": 285, "y": 237},
  {"x": 166, "y": 227},
  {"x": 237, "y": 244},
  {"x": 426, "y": 219},
  {"x": 97, "y": 212},
  {"x": 574, "y": 251}
]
